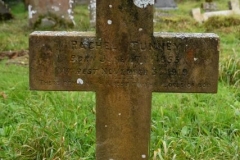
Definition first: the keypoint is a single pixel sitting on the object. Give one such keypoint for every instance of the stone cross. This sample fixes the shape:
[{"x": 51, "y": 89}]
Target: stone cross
[{"x": 124, "y": 63}]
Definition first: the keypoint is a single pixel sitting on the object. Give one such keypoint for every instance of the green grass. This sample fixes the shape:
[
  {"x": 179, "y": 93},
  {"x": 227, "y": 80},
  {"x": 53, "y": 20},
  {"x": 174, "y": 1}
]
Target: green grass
[
  {"x": 197, "y": 126},
  {"x": 43, "y": 124},
  {"x": 61, "y": 125}
]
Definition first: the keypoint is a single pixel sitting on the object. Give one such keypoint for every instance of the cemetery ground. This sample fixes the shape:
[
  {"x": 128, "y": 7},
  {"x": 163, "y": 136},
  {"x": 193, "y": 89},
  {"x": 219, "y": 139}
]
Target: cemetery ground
[{"x": 61, "y": 125}]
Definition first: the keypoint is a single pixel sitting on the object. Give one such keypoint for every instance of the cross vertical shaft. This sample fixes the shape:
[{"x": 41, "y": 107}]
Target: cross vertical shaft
[
  {"x": 123, "y": 124},
  {"x": 123, "y": 18},
  {"x": 123, "y": 113}
]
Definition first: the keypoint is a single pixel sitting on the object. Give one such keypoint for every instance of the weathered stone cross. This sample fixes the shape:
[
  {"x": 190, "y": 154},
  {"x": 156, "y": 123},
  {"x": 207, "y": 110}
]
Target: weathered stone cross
[{"x": 124, "y": 63}]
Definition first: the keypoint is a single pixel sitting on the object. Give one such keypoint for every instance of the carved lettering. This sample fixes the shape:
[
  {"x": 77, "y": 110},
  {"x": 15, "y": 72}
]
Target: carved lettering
[
  {"x": 92, "y": 43},
  {"x": 64, "y": 71},
  {"x": 168, "y": 59},
  {"x": 124, "y": 71},
  {"x": 81, "y": 58},
  {"x": 179, "y": 85}
]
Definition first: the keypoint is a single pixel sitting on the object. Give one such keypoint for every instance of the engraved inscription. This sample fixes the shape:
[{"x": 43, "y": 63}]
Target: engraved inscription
[
  {"x": 162, "y": 64},
  {"x": 168, "y": 59}
]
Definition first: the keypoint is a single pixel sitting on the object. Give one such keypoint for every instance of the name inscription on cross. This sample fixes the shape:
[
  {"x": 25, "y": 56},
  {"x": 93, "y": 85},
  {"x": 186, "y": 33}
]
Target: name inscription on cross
[{"x": 124, "y": 63}]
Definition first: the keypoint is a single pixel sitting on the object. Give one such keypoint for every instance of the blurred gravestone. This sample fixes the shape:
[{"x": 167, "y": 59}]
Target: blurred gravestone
[
  {"x": 209, "y": 6},
  {"x": 165, "y": 4},
  {"x": 81, "y": 1},
  {"x": 92, "y": 8},
  {"x": 5, "y": 13},
  {"x": 196, "y": 13},
  {"x": 234, "y": 5},
  {"x": 48, "y": 13}
]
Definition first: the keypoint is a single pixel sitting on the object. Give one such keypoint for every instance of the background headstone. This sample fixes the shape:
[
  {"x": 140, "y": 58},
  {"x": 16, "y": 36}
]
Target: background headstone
[
  {"x": 81, "y": 1},
  {"x": 234, "y": 5},
  {"x": 5, "y": 13},
  {"x": 196, "y": 13},
  {"x": 92, "y": 9},
  {"x": 165, "y": 4},
  {"x": 48, "y": 13},
  {"x": 209, "y": 6}
]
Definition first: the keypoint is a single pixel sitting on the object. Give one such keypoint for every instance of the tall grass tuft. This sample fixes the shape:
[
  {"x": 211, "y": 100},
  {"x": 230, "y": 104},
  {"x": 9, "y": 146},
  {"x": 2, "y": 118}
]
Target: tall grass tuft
[{"x": 230, "y": 69}]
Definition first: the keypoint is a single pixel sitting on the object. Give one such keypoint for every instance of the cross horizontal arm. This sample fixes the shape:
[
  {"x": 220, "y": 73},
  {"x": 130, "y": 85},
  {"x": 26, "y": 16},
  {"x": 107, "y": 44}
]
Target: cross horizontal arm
[{"x": 170, "y": 62}]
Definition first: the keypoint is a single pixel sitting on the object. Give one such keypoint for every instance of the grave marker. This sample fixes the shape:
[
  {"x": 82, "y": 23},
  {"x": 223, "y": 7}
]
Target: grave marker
[
  {"x": 48, "y": 13},
  {"x": 209, "y": 6},
  {"x": 124, "y": 63},
  {"x": 196, "y": 13},
  {"x": 234, "y": 5},
  {"x": 92, "y": 8},
  {"x": 5, "y": 13},
  {"x": 165, "y": 4}
]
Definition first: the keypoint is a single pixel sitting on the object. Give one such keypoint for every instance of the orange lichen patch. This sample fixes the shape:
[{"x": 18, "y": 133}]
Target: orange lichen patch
[{"x": 190, "y": 55}]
